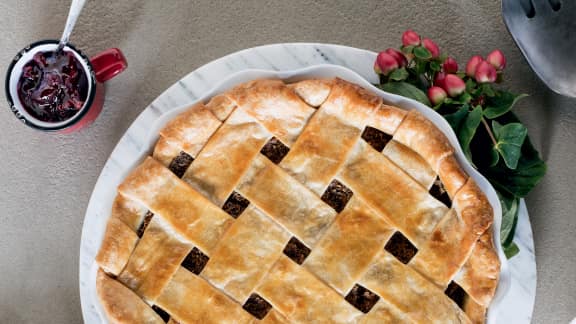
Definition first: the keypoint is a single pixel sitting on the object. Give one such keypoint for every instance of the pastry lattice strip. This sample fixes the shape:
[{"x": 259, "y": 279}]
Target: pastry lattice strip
[{"x": 318, "y": 185}]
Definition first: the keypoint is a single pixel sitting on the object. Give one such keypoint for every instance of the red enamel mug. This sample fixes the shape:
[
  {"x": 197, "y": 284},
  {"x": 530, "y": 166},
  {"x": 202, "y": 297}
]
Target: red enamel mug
[{"x": 97, "y": 70}]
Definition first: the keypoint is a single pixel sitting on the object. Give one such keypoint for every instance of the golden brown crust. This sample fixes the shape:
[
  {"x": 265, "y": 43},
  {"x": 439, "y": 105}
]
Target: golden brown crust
[
  {"x": 411, "y": 293},
  {"x": 177, "y": 203},
  {"x": 245, "y": 254},
  {"x": 473, "y": 207},
  {"x": 299, "y": 211},
  {"x": 154, "y": 261},
  {"x": 479, "y": 275},
  {"x": 118, "y": 243},
  {"x": 288, "y": 287},
  {"x": 331, "y": 133},
  {"x": 451, "y": 174},
  {"x": 221, "y": 106},
  {"x": 450, "y": 244},
  {"x": 120, "y": 236},
  {"x": 346, "y": 249},
  {"x": 191, "y": 129},
  {"x": 392, "y": 193},
  {"x": 475, "y": 311},
  {"x": 352, "y": 104},
  {"x": 453, "y": 239},
  {"x": 384, "y": 312},
  {"x": 321, "y": 123},
  {"x": 422, "y": 136},
  {"x": 320, "y": 150},
  {"x": 275, "y": 106},
  {"x": 165, "y": 151},
  {"x": 128, "y": 211},
  {"x": 387, "y": 118},
  {"x": 190, "y": 299},
  {"x": 121, "y": 305},
  {"x": 411, "y": 162},
  {"x": 214, "y": 174},
  {"x": 314, "y": 92},
  {"x": 273, "y": 317}
]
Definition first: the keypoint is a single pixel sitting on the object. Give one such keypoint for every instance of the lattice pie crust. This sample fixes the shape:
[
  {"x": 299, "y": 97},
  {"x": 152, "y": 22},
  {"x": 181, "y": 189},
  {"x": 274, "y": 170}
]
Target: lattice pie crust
[{"x": 305, "y": 202}]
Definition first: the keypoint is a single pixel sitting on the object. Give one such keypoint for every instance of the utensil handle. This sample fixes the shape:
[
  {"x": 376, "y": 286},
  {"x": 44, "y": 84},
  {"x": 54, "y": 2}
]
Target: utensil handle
[
  {"x": 73, "y": 14},
  {"x": 108, "y": 64}
]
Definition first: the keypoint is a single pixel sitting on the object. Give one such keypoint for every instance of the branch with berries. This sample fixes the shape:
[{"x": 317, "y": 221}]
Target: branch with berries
[{"x": 492, "y": 137}]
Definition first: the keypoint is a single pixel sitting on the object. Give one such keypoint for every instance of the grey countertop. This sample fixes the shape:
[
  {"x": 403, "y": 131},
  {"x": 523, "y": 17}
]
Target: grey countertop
[{"x": 46, "y": 181}]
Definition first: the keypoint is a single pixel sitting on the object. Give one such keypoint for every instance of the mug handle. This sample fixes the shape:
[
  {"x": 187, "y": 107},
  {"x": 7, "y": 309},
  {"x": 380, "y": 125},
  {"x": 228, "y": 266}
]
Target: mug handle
[{"x": 108, "y": 64}]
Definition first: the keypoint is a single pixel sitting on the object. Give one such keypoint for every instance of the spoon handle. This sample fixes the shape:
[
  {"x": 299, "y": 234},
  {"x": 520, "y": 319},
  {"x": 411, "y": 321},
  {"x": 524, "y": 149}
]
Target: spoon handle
[{"x": 75, "y": 9}]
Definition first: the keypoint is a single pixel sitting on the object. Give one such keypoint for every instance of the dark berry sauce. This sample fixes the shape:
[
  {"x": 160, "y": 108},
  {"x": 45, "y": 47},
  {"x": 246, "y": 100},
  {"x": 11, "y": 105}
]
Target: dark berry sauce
[{"x": 53, "y": 87}]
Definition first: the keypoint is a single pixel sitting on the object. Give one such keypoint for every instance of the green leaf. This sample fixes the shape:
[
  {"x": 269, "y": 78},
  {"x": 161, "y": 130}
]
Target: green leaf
[
  {"x": 494, "y": 157},
  {"x": 509, "y": 217},
  {"x": 422, "y": 53},
  {"x": 470, "y": 85},
  {"x": 511, "y": 250},
  {"x": 465, "y": 97},
  {"x": 510, "y": 138},
  {"x": 465, "y": 122},
  {"x": 510, "y": 210},
  {"x": 407, "y": 49},
  {"x": 435, "y": 66},
  {"x": 398, "y": 75},
  {"x": 453, "y": 101},
  {"x": 488, "y": 90},
  {"x": 456, "y": 119},
  {"x": 526, "y": 176},
  {"x": 477, "y": 92},
  {"x": 468, "y": 130},
  {"x": 420, "y": 67},
  {"x": 501, "y": 103},
  {"x": 406, "y": 90}
]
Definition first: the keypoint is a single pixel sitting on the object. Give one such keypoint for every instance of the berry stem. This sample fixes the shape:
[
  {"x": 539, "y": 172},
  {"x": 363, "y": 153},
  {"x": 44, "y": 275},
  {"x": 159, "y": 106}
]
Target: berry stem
[{"x": 485, "y": 123}]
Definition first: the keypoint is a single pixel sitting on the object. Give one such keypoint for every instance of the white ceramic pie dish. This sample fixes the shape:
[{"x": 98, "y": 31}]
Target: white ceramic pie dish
[{"x": 105, "y": 191}]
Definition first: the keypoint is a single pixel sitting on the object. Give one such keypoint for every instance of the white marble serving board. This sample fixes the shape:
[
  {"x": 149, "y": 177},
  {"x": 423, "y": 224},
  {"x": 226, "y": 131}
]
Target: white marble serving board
[{"x": 514, "y": 307}]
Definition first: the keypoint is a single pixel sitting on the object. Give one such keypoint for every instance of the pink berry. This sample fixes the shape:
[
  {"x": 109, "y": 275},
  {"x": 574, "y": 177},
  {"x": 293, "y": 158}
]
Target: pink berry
[
  {"x": 439, "y": 79},
  {"x": 431, "y": 46},
  {"x": 399, "y": 56},
  {"x": 485, "y": 73},
  {"x": 410, "y": 38},
  {"x": 385, "y": 63},
  {"x": 497, "y": 59},
  {"x": 453, "y": 85},
  {"x": 436, "y": 95},
  {"x": 473, "y": 64},
  {"x": 450, "y": 65}
]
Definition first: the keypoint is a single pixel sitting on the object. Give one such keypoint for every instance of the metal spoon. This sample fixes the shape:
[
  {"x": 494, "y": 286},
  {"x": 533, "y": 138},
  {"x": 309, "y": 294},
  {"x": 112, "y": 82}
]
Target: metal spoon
[
  {"x": 75, "y": 9},
  {"x": 545, "y": 30}
]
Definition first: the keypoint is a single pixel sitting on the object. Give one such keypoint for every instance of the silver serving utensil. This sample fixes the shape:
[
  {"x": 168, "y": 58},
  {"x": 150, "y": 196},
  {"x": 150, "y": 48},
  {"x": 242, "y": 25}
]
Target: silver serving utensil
[
  {"x": 545, "y": 32},
  {"x": 73, "y": 14}
]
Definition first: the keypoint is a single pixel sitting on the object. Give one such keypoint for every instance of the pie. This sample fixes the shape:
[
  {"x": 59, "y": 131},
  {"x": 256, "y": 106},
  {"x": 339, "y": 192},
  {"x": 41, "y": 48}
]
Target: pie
[{"x": 311, "y": 201}]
